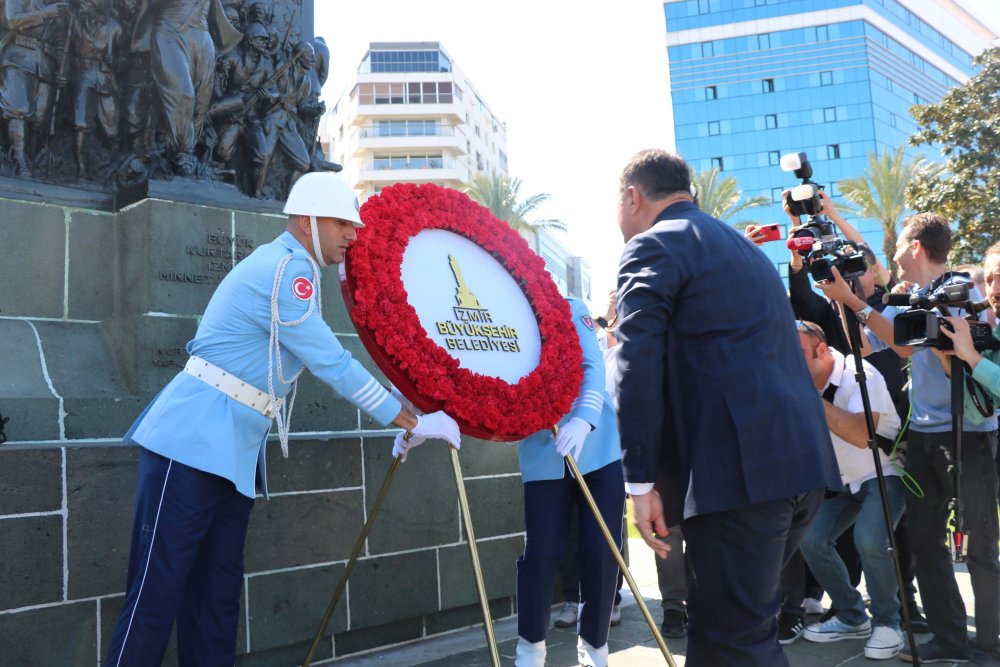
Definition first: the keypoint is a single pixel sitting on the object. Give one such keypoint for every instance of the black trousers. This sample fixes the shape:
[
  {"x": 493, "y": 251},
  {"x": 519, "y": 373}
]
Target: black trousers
[
  {"x": 735, "y": 561},
  {"x": 928, "y": 457}
]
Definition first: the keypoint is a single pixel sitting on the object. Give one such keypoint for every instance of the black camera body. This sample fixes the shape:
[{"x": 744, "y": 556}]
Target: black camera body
[
  {"x": 827, "y": 250},
  {"x": 921, "y": 327}
]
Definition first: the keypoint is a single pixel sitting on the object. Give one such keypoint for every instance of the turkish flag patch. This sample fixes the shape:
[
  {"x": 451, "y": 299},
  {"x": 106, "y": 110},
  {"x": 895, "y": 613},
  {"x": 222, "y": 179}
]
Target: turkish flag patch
[
  {"x": 302, "y": 288},
  {"x": 588, "y": 321}
]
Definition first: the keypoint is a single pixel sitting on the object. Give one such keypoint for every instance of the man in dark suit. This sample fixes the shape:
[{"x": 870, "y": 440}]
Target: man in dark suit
[{"x": 716, "y": 406}]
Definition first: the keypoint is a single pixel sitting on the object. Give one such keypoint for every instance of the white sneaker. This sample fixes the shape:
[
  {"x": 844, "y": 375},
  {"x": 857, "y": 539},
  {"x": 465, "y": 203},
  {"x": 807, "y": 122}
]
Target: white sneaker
[
  {"x": 616, "y": 615},
  {"x": 529, "y": 654},
  {"x": 884, "y": 643},
  {"x": 567, "y": 615},
  {"x": 590, "y": 656},
  {"x": 812, "y": 606},
  {"x": 835, "y": 630}
]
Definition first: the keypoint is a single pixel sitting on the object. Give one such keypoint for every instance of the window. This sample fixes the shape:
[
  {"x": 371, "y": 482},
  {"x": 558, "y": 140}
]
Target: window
[
  {"x": 707, "y": 51},
  {"x": 833, "y": 152},
  {"x": 429, "y": 92},
  {"x": 763, "y": 41},
  {"x": 776, "y": 195},
  {"x": 822, "y": 33},
  {"x": 479, "y": 161},
  {"x": 759, "y": 3},
  {"x": 711, "y": 93},
  {"x": 408, "y": 162},
  {"x": 704, "y": 7},
  {"x": 829, "y": 114},
  {"x": 771, "y": 121},
  {"x": 834, "y": 189},
  {"x": 477, "y": 129},
  {"x": 892, "y": 119},
  {"x": 825, "y": 78},
  {"x": 774, "y": 158},
  {"x": 767, "y": 85},
  {"x": 717, "y": 163},
  {"x": 713, "y": 127}
]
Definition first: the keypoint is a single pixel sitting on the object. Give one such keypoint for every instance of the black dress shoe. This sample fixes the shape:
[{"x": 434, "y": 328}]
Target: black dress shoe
[{"x": 674, "y": 624}]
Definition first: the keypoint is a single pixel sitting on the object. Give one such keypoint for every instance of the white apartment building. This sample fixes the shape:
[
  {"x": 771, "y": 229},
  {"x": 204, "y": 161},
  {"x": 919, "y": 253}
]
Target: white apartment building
[{"x": 411, "y": 116}]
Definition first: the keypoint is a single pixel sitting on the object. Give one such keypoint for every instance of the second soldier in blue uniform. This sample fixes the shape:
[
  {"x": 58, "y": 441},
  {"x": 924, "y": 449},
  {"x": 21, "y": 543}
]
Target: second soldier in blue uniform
[{"x": 590, "y": 433}]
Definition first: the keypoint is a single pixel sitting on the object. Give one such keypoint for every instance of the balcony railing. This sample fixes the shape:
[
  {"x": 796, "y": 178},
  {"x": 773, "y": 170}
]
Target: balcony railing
[
  {"x": 376, "y": 131},
  {"x": 386, "y": 163}
]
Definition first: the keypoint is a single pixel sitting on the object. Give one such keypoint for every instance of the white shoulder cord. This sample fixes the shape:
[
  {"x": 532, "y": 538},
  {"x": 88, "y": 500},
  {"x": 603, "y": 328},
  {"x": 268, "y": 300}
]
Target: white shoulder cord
[{"x": 283, "y": 417}]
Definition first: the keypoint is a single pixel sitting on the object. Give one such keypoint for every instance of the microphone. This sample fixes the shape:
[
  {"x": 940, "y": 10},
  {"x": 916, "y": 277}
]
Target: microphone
[
  {"x": 896, "y": 299},
  {"x": 800, "y": 243}
]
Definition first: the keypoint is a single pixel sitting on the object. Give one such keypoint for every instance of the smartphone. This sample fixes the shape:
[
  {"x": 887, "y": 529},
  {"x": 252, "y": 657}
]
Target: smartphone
[{"x": 771, "y": 232}]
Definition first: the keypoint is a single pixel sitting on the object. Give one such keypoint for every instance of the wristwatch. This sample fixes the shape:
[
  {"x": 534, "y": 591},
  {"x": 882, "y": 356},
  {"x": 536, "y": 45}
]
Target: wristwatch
[{"x": 863, "y": 314}]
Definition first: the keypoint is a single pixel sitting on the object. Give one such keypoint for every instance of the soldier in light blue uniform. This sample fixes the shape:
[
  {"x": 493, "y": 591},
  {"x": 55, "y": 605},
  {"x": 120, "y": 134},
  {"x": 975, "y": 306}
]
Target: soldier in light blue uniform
[
  {"x": 203, "y": 438},
  {"x": 590, "y": 433}
]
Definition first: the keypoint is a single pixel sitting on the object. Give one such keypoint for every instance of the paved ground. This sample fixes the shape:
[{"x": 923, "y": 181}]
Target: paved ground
[{"x": 631, "y": 643}]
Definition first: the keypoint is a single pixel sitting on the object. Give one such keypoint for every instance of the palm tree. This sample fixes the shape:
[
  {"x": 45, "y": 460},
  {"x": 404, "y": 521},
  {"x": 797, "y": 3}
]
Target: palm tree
[
  {"x": 879, "y": 193},
  {"x": 499, "y": 193},
  {"x": 722, "y": 198}
]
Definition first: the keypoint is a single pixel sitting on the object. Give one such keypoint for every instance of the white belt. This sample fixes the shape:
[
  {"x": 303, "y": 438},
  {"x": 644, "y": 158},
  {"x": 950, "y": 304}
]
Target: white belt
[{"x": 231, "y": 386}]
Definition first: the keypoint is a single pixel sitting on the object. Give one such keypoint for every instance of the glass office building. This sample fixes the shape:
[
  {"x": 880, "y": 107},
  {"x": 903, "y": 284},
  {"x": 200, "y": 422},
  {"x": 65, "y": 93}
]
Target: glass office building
[{"x": 752, "y": 80}]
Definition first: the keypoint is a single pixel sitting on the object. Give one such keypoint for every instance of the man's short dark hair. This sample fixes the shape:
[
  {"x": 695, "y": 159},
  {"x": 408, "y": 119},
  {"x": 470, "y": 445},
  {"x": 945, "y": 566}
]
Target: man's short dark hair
[
  {"x": 656, "y": 174},
  {"x": 933, "y": 232}
]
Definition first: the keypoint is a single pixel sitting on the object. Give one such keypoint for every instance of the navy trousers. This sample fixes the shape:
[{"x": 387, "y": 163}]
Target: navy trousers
[
  {"x": 548, "y": 506},
  {"x": 185, "y": 564},
  {"x": 735, "y": 561}
]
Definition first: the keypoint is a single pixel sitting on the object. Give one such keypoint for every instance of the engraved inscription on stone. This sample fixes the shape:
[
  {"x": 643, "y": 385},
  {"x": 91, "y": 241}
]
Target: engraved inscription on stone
[
  {"x": 165, "y": 357},
  {"x": 215, "y": 256}
]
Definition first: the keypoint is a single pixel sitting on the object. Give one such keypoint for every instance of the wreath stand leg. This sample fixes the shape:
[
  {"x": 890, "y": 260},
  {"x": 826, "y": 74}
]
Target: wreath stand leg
[
  {"x": 352, "y": 561},
  {"x": 621, "y": 561},
  {"x": 477, "y": 569}
]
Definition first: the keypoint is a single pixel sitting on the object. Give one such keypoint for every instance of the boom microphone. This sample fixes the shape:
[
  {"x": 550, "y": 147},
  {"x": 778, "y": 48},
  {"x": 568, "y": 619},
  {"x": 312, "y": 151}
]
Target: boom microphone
[{"x": 800, "y": 243}]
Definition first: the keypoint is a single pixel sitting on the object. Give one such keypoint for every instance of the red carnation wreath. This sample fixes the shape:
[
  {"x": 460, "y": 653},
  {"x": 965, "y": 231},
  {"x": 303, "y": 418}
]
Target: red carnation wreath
[{"x": 484, "y": 406}]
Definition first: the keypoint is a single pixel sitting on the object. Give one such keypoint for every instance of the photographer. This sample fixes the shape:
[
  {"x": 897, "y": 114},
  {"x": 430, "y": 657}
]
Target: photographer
[
  {"x": 985, "y": 368},
  {"x": 921, "y": 252},
  {"x": 858, "y": 503}
]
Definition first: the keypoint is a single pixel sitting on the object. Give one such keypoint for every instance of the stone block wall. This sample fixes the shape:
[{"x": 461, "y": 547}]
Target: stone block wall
[{"x": 95, "y": 310}]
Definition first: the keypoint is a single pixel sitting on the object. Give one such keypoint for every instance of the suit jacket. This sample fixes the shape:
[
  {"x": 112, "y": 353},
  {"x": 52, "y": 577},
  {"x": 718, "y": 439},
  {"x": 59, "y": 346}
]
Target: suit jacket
[{"x": 715, "y": 402}]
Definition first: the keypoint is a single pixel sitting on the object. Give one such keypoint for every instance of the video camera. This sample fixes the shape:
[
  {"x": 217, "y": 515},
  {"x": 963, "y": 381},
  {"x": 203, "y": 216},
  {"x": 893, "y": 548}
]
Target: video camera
[
  {"x": 921, "y": 326},
  {"x": 817, "y": 237}
]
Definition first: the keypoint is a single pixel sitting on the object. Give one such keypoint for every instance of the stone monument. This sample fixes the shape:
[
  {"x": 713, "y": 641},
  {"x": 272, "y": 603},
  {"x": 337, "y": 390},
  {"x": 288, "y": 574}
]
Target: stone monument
[{"x": 133, "y": 175}]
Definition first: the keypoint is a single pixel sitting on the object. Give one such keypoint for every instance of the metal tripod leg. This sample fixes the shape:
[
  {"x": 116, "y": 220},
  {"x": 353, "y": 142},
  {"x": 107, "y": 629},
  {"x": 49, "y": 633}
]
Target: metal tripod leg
[
  {"x": 621, "y": 561},
  {"x": 477, "y": 569},
  {"x": 352, "y": 561}
]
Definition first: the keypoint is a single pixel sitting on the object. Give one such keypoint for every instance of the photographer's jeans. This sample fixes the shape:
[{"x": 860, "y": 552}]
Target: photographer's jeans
[
  {"x": 927, "y": 460},
  {"x": 864, "y": 510}
]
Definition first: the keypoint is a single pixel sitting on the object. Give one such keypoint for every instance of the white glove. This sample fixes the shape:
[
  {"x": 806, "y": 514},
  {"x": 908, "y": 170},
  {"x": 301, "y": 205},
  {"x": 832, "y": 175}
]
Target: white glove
[
  {"x": 571, "y": 436},
  {"x": 400, "y": 446},
  {"x": 438, "y": 425}
]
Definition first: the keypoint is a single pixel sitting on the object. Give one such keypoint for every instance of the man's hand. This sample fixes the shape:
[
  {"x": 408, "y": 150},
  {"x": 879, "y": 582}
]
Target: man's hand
[
  {"x": 647, "y": 515},
  {"x": 827, "y": 208},
  {"x": 755, "y": 234},
  {"x": 838, "y": 290},
  {"x": 961, "y": 340},
  {"x": 796, "y": 220},
  {"x": 902, "y": 288},
  {"x": 401, "y": 446},
  {"x": 570, "y": 438},
  {"x": 438, "y": 425}
]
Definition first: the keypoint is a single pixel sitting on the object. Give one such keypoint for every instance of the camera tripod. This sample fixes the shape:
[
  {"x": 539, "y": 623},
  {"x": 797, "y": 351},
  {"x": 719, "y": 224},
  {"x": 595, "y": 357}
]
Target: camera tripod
[{"x": 854, "y": 336}]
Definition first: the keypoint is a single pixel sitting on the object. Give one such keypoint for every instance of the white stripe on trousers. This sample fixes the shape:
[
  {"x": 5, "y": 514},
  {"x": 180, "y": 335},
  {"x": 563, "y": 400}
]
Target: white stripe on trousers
[{"x": 145, "y": 570}]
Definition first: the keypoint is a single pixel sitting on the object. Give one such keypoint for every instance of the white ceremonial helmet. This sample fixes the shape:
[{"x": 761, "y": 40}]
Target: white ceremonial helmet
[{"x": 323, "y": 194}]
